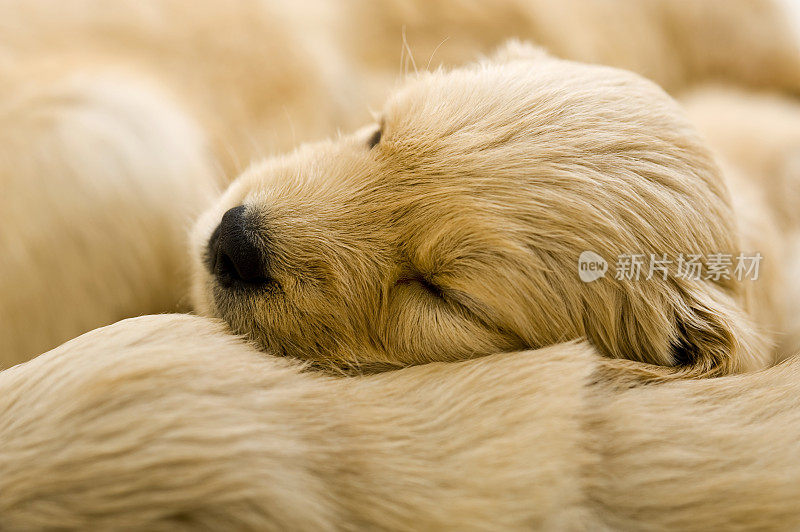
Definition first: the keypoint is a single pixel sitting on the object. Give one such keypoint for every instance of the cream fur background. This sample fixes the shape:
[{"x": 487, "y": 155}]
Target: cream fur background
[{"x": 120, "y": 122}]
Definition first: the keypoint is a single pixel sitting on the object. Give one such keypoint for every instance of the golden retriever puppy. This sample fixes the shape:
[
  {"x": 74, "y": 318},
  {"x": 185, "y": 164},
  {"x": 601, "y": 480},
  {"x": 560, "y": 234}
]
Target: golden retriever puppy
[
  {"x": 454, "y": 228},
  {"x": 167, "y": 423}
]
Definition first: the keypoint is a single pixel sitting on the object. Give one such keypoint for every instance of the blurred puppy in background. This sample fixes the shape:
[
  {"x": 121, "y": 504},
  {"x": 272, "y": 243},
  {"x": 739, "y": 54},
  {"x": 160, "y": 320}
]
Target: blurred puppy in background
[
  {"x": 676, "y": 44},
  {"x": 120, "y": 121}
]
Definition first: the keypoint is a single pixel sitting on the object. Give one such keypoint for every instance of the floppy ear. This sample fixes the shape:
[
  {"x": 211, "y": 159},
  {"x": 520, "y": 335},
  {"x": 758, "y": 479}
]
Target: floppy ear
[
  {"x": 715, "y": 335},
  {"x": 516, "y": 50},
  {"x": 683, "y": 329}
]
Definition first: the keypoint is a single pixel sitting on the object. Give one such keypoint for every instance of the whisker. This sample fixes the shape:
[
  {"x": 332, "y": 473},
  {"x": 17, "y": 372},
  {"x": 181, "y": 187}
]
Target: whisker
[
  {"x": 410, "y": 55},
  {"x": 428, "y": 66}
]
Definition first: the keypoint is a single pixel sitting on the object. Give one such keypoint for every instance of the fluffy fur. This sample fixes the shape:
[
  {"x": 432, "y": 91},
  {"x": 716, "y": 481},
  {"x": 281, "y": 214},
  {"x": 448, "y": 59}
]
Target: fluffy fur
[
  {"x": 458, "y": 234},
  {"x": 758, "y": 137},
  {"x": 100, "y": 178},
  {"x": 677, "y": 44},
  {"x": 118, "y": 124},
  {"x": 257, "y": 75},
  {"x": 166, "y": 423}
]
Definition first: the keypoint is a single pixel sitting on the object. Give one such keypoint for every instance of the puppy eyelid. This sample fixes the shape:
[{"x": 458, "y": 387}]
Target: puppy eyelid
[
  {"x": 431, "y": 287},
  {"x": 423, "y": 281},
  {"x": 375, "y": 138}
]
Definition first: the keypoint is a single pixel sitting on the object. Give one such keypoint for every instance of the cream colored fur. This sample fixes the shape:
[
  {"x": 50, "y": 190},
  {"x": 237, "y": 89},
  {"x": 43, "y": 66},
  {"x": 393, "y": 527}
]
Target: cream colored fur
[
  {"x": 459, "y": 233},
  {"x": 168, "y": 423},
  {"x": 119, "y": 121},
  {"x": 259, "y": 76},
  {"x": 759, "y": 135},
  {"x": 100, "y": 177},
  {"x": 676, "y": 43},
  {"x": 455, "y": 237}
]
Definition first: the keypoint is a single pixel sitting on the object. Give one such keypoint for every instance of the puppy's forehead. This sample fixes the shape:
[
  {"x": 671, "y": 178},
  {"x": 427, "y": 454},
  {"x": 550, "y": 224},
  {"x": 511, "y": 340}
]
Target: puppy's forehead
[
  {"x": 511, "y": 94},
  {"x": 528, "y": 121},
  {"x": 438, "y": 103}
]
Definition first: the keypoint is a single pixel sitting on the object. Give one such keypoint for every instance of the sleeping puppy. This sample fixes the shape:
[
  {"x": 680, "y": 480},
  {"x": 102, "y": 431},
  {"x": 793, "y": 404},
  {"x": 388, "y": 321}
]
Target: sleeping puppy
[
  {"x": 454, "y": 227},
  {"x": 168, "y": 423}
]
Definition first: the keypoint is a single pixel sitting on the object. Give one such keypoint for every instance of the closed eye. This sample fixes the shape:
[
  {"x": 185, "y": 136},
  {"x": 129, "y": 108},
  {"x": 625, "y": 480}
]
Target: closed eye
[
  {"x": 375, "y": 138},
  {"x": 424, "y": 283},
  {"x": 430, "y": 287}
]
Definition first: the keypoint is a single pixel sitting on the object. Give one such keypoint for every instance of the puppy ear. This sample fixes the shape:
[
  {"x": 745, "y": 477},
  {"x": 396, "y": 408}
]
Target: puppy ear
[
  {"x": 683, "y": 329},
  {"x": 516, "y": 50},
  {"x": 714, "y": 335}
]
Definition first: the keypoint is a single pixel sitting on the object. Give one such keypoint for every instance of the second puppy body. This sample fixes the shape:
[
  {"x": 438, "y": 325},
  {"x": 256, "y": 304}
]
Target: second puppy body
[{"x": 169, "y": 423}]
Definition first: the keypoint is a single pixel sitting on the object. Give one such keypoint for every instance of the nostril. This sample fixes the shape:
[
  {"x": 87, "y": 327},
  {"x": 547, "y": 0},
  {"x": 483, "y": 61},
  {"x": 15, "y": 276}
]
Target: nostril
[
  {"x": 211, "y": 250},
  {"x": 238, "y": 265},
  {"x": 233, "y": 254},
  {"x": 223, "y": 267}
]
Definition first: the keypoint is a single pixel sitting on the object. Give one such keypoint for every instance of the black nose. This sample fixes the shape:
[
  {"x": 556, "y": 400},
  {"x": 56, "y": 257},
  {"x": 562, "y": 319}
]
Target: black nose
[{"x": 233, "y": 255}]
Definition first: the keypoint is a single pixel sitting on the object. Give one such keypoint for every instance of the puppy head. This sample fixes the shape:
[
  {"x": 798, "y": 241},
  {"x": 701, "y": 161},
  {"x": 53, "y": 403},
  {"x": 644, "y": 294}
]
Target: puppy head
[{"x": 453, "y": 228}]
